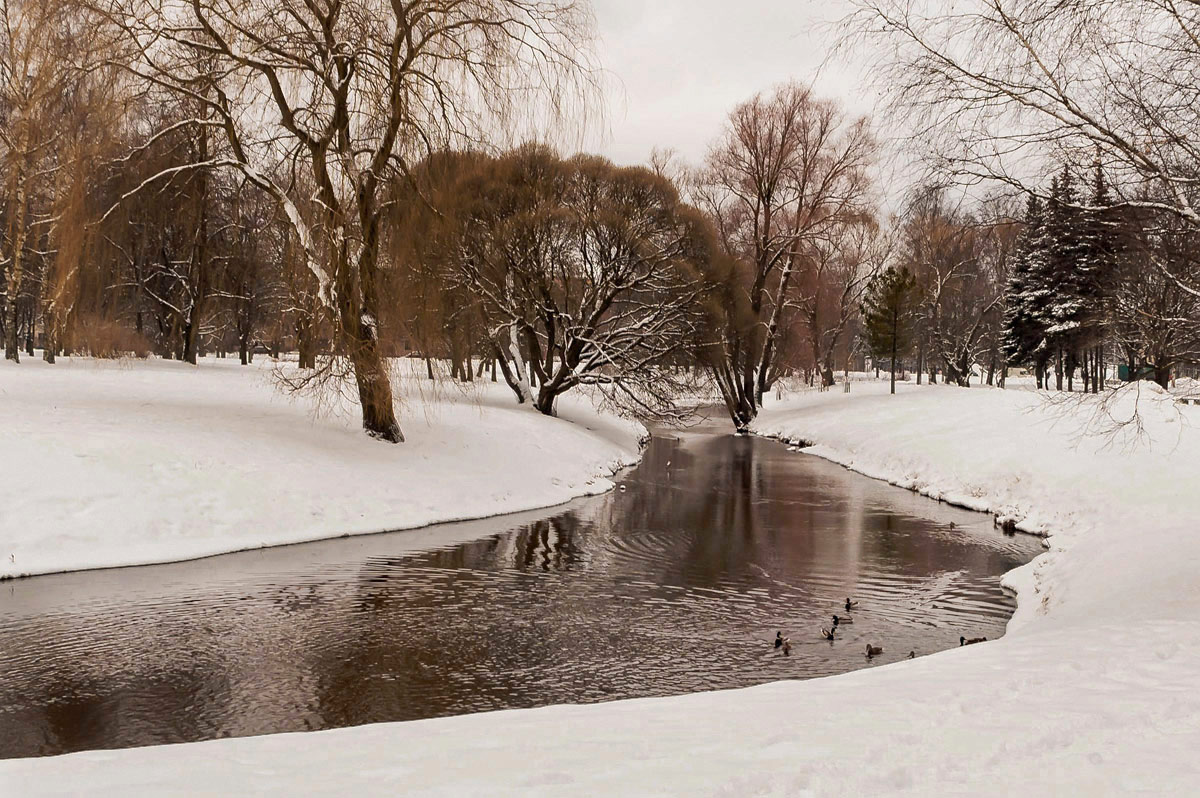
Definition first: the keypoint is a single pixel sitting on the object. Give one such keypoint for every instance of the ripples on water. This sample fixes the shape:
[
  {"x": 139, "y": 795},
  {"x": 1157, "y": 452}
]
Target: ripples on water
[{"x": 676, "y": 584}]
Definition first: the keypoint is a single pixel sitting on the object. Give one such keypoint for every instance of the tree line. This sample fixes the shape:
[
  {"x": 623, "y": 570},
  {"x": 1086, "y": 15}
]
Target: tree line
[
  {"x": 322, "y": 178},
  {"x": 1089, "y": 110},
  {"x": 336, "y": 179}
]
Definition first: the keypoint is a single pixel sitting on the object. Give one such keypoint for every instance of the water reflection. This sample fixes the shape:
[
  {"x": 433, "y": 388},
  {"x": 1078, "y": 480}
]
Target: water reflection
[{"x": 675, "y": 584}]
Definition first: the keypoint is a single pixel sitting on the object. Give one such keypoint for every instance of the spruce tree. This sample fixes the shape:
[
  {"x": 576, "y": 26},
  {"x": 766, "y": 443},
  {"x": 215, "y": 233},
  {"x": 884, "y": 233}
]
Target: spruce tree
[
  {"x": 1024, "y": 330},
  {"x": 1064, "y": 280},
  {"x": 1102, "y": 246},
  {"x": 889, "y": 313}
]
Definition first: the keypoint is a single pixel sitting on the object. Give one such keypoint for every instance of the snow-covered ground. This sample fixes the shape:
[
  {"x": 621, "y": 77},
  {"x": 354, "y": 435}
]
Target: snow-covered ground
[
  {"x": 1095, "y": 690},
  {"x": 126, "y": 463}
]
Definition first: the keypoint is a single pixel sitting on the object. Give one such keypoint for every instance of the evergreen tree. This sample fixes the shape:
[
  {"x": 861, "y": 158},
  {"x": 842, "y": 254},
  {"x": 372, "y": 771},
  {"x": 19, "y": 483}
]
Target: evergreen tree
[
  {"x": 1102, "y": 248},
  {"x": 1024, "y": 327},
  {"x": 889, "y": 313},
  {"x": 1065, "y": 280}
]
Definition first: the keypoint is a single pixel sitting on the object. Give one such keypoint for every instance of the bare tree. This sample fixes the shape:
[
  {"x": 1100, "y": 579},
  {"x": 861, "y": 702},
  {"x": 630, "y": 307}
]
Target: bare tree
[
  {"x": 788, "y": 168},
  {"x": 1156, "y": 322},
  {"x": 835, "y": 273},
  {"x": 994, "y": 87},
  {"x": 962, "y": 291}
]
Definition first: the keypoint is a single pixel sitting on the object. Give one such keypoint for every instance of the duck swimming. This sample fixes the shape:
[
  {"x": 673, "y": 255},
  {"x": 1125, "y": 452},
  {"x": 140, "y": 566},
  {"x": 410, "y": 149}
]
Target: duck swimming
[
  {"x": 827, "y": 633},
  {"x": 778, "y": 639},
  {"x": 962, "y": 641},
  {"x": 787, "y": 647},
  {"x": 841, "y": 620},
  {"x": 874, "y": 651},
  {"x": 850, "y": 605}
]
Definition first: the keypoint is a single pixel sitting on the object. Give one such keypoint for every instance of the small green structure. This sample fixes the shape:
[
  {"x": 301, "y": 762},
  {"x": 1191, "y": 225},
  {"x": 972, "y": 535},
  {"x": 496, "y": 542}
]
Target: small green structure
[{"x": 1140, "y": 372}]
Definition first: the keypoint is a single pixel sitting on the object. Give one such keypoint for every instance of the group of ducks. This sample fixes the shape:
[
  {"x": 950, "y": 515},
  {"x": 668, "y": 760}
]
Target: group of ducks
[
  {"x": 785, "y": 644},
  {"x": 839, "y": 621}
]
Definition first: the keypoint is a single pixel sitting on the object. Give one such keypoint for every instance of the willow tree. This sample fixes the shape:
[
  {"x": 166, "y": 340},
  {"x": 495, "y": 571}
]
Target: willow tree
[
  {"x": 342, "y": 95},
  {"x": 35, "y": 77},
  {"x": 581, "y": 273}
]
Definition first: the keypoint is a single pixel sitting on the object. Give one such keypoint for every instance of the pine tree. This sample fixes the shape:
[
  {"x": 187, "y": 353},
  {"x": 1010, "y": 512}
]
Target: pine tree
[{"x": 889, "y": 313}]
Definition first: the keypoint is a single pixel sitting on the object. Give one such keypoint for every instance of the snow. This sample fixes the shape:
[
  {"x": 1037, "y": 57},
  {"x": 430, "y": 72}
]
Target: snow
[
  {"x": 1092, "y": 692},
  {"x": 125, "y": 463}
]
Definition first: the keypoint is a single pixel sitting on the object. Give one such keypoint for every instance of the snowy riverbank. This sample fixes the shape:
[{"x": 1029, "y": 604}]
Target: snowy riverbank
[
  {"x": 1093, "y": 691},
  {"x": 127, "y": 463}
]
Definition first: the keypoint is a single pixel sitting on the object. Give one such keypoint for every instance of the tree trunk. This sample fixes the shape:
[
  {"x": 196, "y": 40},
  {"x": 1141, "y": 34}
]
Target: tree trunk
[
  {"x": 895, "y": 331},
  {"x": 545, "y": 401},
  {"x": 306, "y": 346},
  {"x": 50, "y": 345},
  {"x": 520, "y": 378},
  {"x": 11, "y": 350},
  {"x": 29, "y": 334},
  {"x": 374, "y": 390},
  {"x": 509, "y": 378},
  {"x": 15, "y": 272},
  {"x": 191, "y": 329}
]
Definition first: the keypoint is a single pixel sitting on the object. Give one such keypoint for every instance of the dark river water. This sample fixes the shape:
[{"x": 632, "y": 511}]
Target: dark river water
[{"x": 675, "y": 583}]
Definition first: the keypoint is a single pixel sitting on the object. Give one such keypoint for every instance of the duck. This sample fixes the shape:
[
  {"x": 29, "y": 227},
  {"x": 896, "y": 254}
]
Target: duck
[
  {"x": 850, "y": 605},
  {"x": 962, "y": 641},
  {"x": 912, "y": 655},
  {"x": 842, "y": 620},
  {"x": 778, "y": 639},
  {"x": 787, "y": 647},
  {"x": 827, "y": 633},
  {"x": 874, "y": 651}
]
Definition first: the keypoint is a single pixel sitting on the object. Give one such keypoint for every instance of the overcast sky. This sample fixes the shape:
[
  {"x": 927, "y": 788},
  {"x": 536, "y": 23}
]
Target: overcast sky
[{"x": 676, "y": 67}]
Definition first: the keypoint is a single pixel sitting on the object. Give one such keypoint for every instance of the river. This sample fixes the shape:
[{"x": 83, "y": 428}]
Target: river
[{"x": 676, "y": 582}]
